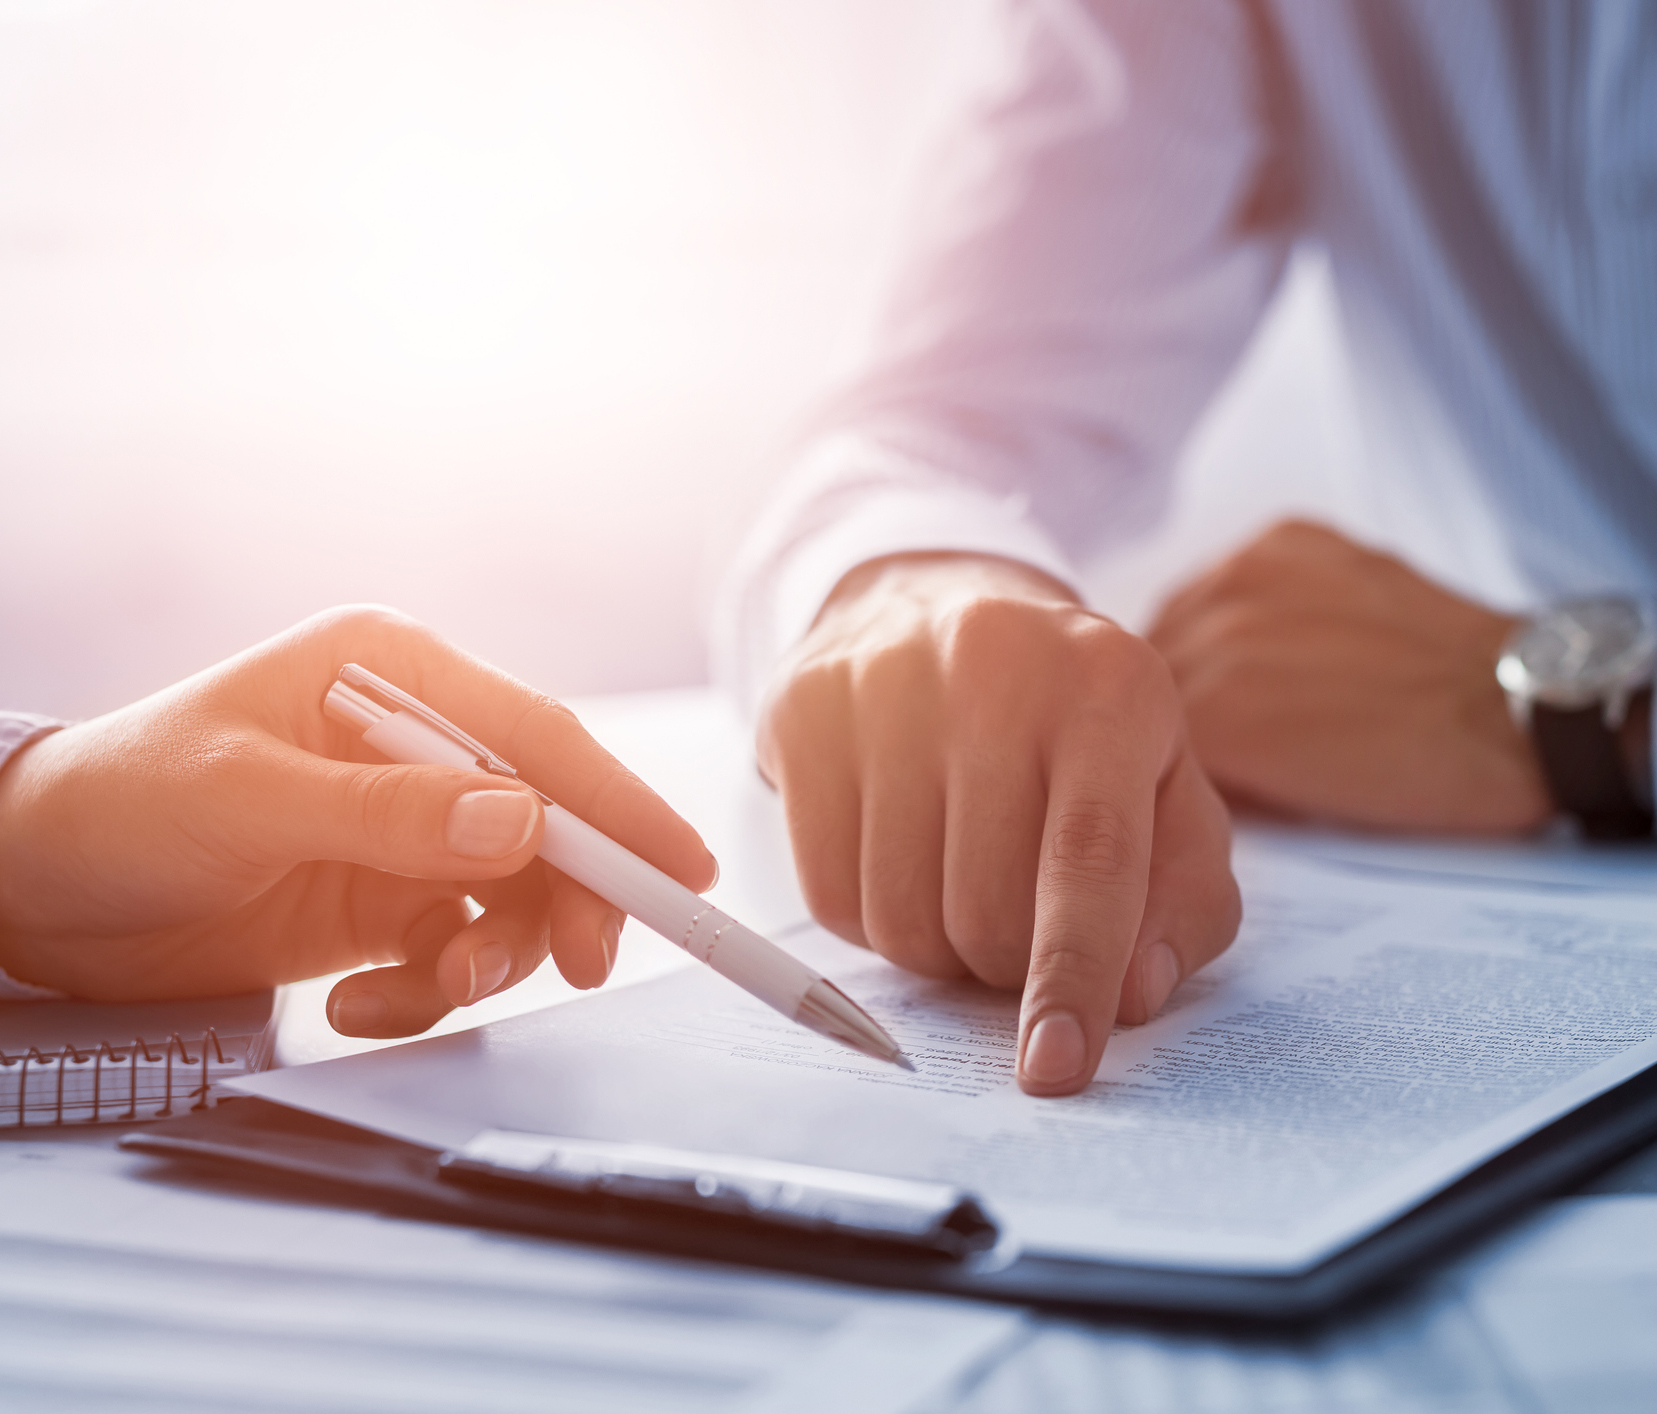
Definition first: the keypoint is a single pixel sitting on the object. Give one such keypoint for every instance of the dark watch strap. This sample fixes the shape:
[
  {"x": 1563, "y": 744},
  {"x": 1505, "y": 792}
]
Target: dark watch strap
[{"x": 1586, "y": 771}]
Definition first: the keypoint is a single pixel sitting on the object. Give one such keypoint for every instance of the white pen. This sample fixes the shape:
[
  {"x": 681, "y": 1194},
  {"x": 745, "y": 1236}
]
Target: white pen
[{"x": 405, "y": 729}]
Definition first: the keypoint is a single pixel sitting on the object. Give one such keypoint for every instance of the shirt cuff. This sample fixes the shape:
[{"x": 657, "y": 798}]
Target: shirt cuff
[
  {"x": 17, "y": 730},
  {"x": 851, "y": 499},
  {"x": 902, "y": 522},
  {"x": 11, "y": 990}
]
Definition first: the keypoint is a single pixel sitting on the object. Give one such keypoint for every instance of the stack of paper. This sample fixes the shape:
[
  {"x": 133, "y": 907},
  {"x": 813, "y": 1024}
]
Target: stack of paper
[{"x": 1367, "y": 1041}]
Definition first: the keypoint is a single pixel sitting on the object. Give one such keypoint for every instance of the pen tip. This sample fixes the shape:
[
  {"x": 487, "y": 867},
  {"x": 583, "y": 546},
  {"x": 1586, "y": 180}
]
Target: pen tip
[{"x": 902, "y": 1060}]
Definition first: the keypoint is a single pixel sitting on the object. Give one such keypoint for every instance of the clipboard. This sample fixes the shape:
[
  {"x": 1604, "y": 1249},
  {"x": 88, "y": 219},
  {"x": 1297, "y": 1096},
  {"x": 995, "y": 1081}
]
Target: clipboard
[{"x": 255, "y": 1140}]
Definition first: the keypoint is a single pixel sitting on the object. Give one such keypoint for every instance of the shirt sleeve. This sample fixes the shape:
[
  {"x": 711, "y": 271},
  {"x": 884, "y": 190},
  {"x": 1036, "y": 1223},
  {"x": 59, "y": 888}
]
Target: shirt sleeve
[
  {"x": 1093, "y": 239},
  {"x": 17, "y": 730}
]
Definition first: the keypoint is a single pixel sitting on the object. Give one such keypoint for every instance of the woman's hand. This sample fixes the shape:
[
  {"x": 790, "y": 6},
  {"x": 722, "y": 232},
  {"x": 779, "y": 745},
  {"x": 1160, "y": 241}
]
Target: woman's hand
[{"x": 224, "y": 835}]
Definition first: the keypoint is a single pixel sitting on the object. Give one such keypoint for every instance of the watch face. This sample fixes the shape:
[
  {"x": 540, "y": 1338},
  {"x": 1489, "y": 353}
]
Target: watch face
[{"x": 1578, "y": 653}]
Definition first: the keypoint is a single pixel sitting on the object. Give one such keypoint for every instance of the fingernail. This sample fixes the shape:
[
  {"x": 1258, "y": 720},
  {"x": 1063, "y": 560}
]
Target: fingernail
[
  {"x": 488, "y": 967},
  {"x": 1056, "y": 1049},
  {"x": 715, "y": 872},
  {"x": 610, "y": 937},
  {"x": 358, "y": 1013},
  {"x": 1158, "y": 976},
  {"x": 490, "y": 824}
]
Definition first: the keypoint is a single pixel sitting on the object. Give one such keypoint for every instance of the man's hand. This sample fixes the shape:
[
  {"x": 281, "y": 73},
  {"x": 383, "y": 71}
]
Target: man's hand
[
  {"x": 224, "y": 835},
  {"x": 1324, "y": 680},
  {"x": 982, "y": 777}
]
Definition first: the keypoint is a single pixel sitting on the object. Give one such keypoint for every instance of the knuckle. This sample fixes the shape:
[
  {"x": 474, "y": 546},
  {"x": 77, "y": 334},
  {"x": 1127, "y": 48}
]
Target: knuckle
[
  {"x": 1153, "y": 692},
  {"x": 1241, "y": 623},
  {"x": 1294, "y": 536},
  {"x": 543, "y": 718},
  {"x": 829, "y": 884},
  {"x": 364, "y": 623},
  {"x": 893, "y": 674},
  {"x": 1228, "y": 698},
  {"x": 835, "y": 904},
  {"x": 988, "y": 626},
  {"x": 1072, "y": 966},
  {"x": 1290, "y": 530},
  {"x": 975, "y": 927},
  {"x": 811, "y": 693},
  {"x": 991, "y": 939},
  {"x": 1123, "y": 707},
  {"x": 1238, "y": 579},
  {"x": 914, "y": 955},
  {"x": 1091, "y": 841},
  {"x": 894, "y": 919},
  {"x": 1234, "y": 642},
  {"x": 1259, "y": 565},
  {"x": 1001, "y": 966},
  {"x": 606, "y": 803},
  {"x": 546, "y": 725},
  {"x": 904, "y": 930},
  {"x": 798, "y": 721},
  {"x": 1226, "y": 918},
  {"x": 1111, "y": 657},
  {"x": 382, "y": 801},
  {"x": 1128, "y": 718}
]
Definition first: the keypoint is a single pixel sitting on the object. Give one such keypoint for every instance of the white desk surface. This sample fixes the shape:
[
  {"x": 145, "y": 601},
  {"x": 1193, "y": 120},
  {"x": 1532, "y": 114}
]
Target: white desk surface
[{"x": 1558, "y": 1314}]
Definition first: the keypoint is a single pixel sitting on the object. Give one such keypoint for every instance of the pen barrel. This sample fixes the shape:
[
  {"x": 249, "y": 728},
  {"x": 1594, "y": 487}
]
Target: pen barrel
[
  {"x": 405, "y": 738},
  {"x": 666, "y": 906},
  {"x": 620, "y": 877}
]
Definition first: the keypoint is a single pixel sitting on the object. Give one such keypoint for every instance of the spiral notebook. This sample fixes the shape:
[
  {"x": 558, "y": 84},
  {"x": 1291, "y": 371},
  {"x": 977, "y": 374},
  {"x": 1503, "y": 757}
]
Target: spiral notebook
[{"x": 108, "y": 1062}]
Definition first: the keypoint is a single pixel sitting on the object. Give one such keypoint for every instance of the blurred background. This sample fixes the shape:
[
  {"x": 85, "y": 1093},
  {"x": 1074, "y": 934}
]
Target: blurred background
[{"x": 497, "y": 312}]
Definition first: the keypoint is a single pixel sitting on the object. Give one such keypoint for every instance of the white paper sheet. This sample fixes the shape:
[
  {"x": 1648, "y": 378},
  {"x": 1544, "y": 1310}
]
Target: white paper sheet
[
  {"x": 1364, "y": 1043},
  {"x": 118, "y": 1292}
]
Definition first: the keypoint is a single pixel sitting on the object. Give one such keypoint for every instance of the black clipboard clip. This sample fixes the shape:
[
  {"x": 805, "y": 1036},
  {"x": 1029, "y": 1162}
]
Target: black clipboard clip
[{"x": 935, "y": 1219}]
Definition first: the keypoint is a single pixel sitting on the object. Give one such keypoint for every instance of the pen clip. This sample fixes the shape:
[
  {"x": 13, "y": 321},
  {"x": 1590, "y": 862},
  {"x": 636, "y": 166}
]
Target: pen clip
[{"x": 391, "y": 696}]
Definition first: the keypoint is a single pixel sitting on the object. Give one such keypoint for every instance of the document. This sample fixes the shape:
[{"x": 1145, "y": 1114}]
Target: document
[
  {"x": 118, "y": 1292},
  {"x": 1365, "y": 1042}
]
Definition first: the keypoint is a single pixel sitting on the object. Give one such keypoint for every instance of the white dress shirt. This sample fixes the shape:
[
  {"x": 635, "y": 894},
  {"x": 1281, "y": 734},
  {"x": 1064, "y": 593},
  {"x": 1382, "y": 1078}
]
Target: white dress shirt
[{"x": 1110, "y": 214}]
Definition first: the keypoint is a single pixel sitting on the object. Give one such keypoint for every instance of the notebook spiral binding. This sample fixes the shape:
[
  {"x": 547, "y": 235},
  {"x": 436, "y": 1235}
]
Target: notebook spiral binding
[{"x": 127, "y": 1058}]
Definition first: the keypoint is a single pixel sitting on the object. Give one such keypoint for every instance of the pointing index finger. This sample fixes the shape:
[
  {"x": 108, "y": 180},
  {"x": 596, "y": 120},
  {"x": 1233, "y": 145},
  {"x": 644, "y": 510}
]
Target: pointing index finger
[{"x": 1090, "y": 898}]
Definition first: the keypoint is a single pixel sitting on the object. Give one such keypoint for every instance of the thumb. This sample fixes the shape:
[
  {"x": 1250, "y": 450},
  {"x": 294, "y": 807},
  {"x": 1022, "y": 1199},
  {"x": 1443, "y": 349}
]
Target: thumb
[
  {"x": 427, "y": 822},
  {"x": 1193, "y": 907}
]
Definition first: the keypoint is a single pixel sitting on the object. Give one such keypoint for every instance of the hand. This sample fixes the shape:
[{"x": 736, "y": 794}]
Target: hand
[
  {"x": 1322, "y": 679},
  {"x": 224, "y": 835},
  {"x": 982, "y": 777}
]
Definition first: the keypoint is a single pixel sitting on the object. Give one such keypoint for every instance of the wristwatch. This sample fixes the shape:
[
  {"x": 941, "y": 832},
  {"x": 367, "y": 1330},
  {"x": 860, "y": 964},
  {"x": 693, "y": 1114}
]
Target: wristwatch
[{"x": 1578, "y": 678}]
